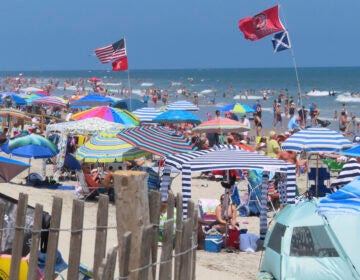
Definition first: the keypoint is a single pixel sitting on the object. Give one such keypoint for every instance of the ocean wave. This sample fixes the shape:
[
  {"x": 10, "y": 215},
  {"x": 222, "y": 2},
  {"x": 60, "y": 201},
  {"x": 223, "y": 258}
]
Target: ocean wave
[
  {"x": 249, "y": 97},
  {"x": 147, "y": 84},
  {"x": 318, "y": 93},
  {"x": 347, "y": 97}
]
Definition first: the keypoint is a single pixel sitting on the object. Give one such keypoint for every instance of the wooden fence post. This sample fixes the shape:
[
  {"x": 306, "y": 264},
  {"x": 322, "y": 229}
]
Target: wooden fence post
[
  {"x": 145, "y": 258},
  {"x": 170, "y": 205},
  {"x": 179, "y": 228},
  {"x": 77, "y": 221},
  {"x": 166, "y": 253},
  {"x": 2, "y": 215},
  {"x": 186, "y": 244},
  {"x": 155, "y": 207},
  {"x": 51, "y": 251},
  {"x": 132, "y": 211},
  {"x": 101, "y": 231},
  {"x": 35, "y": 240},
  {"x": 124, "y": 256},
  {"x": 17, "y": 245},
  {"x": 194, "y": 242},
  {"x": 107, "y": 269}
]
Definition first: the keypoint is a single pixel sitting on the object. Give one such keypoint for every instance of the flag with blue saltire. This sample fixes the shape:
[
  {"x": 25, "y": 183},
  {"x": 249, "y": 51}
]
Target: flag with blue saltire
[{"x": 281, "y": 41}]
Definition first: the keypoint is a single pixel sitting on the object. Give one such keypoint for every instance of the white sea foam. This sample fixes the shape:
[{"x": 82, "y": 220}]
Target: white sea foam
[
  {"x": 346, "y": 97},
  {"x": 147, "y": 84},
  {"x": 250, "y": 97},
  {"x": 318, "y": 93}
]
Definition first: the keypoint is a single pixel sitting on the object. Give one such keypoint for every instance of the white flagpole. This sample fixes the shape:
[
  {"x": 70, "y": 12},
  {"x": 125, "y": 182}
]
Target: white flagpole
[
  {"x": 128, "y": 75},
  {"x": 293, "y": 59}
]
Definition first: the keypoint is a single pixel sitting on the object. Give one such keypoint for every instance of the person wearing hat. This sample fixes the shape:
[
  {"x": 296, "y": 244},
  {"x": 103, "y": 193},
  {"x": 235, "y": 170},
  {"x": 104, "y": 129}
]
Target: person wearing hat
[{"x": 273, "y": 147}]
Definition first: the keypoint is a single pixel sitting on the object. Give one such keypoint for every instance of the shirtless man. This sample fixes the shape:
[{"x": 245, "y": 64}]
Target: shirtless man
[{"x": 290, "y": 156}]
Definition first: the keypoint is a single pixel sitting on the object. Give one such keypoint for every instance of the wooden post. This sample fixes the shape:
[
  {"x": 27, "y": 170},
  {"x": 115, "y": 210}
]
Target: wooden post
[
  {"x": 166, "y": 256},
  {"x": 35, "y": 240},
  {"x": 77, "y": 221},
  {"x": 155, "y": 207},
  {"x": 132, "y": 211},
  {"x": 51, "y": 251},
  {"x": 186, "y": 244},
  {"x": 17, "y": 245},
  {"x": 101, "y": 231},
  {"x": 170, "y": 205},
  {"x": 107, "y": 269},
  {"x": 2, "y": 214},
  {"x": 145, "y": 258},
  {"x": 124, "y": 256},
  {"x": 179, "y": 228},
  {"x": 195, "y": 242}
]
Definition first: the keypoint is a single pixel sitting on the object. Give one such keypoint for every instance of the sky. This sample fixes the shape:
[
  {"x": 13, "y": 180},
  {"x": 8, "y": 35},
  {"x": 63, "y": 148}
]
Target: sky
[{"x": 174, "y": 34}]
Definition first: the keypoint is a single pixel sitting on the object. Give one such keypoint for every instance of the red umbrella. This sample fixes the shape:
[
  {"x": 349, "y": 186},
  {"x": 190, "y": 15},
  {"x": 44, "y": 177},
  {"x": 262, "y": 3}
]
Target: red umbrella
[{"x": 94, "y": 80}]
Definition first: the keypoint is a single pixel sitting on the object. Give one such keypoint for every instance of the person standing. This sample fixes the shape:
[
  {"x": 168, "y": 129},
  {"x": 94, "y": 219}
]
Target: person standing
[
  {"x": 258, "y": 124},
  {"x": 245, "y": 121},
  {"x": 273, "y": 147},
  {"x": 344, "y": 123}
]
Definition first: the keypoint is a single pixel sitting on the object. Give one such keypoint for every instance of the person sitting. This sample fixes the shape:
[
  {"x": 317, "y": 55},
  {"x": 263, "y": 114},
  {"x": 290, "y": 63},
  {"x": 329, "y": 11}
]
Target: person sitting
[
  {"x": 225, "y": 215},
  {"x": 92, "y": 182}
]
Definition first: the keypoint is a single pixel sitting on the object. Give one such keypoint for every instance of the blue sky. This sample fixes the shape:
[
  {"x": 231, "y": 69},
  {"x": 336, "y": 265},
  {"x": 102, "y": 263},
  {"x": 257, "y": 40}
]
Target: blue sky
[{"x": 170, "y": 34}]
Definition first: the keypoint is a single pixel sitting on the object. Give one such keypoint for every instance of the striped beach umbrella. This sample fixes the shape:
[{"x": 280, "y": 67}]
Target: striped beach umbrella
[
  {"x": 147, "y": 114},
  {"x": 157, "y": 140},
  {"x": 349, "y": 172},
  {"x": 177, "y": 116},
  {"x": 221, "y": 125},
  {"x": 110, "y": 114},
  {"x": 344, "y": 201},
  {"x": 103, "y": 149},
  {"x": 316, "y": 140},
  {"x": 51, "y": 100},
  {"x": 182, "y": 105}
]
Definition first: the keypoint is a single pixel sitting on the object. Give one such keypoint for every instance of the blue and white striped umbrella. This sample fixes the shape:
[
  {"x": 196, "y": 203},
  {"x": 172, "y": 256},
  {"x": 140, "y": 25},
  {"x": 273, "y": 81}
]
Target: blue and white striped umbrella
[
  {"x": 182, "y": 105},
  {"x": 344, "y": 201},
  {"x": 147, "y": 114},
  {"x": 316, "y": 140},
  {"x": 349, "y": 172}
]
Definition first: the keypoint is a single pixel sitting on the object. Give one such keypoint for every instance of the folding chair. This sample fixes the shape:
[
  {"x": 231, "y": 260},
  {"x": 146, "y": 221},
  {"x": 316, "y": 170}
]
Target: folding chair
[
  {"x": 323, "y": 177},
  {"x": 87, "y": 192}
]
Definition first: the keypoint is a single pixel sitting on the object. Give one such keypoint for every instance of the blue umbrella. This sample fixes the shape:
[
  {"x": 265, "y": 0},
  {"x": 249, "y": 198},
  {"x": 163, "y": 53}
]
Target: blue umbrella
[
  {"x": 177, "y": 116},
  {"x": 91, "y": 100},
  {"x": 353, "y": 152},
  {"x": 129, "y": 104},
  {"x": 71, "y": 162},
  {"x": 10, "y": 168},
  {"x": 16, "y": 98},
  {"x": 344, "y": 201}
]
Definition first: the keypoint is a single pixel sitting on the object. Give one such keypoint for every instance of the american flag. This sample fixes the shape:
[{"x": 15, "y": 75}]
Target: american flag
[{"x": 111, "y": 52}]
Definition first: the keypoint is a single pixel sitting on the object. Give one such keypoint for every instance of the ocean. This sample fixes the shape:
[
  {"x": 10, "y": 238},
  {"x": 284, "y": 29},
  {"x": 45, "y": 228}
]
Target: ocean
[{"x": 221, "y": 86}]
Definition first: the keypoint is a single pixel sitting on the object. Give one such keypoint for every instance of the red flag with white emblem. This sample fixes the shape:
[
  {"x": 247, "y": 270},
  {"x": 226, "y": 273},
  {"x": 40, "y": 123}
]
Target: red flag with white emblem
[{"x": 120, "y": 64}]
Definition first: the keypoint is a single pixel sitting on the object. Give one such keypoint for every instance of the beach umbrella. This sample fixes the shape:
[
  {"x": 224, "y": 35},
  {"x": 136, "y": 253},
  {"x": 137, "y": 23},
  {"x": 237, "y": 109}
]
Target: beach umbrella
[
  {"x": 147, "y": 114},
  {"x": 18, "y": 100},
  {"x": 31, "y": 89},
  {"x": 349, "y": 172},
  {"x": 157, "y": 140},
  {"x": 129, "y": 104},
  {"x": 94, "y": 80},
  {"x": 352, "y": 152},
  {"x": 52, "y": 101},
  {"x": 177, "y": 116},
  {"x": 221, "y": 125},
  {"x": 103, "y": 149},
  {"x": 182, "y": 105},
  {"x": 92, "y": 100},
  {"x": 344, "y": 201},
  {"x": 71, "y": 162},
  {"x": 29, "y": 98},
  {"x": 316, "y": 140},
  {"x": 110, "y": 114},
  {"x": 237, "y": 108},
  {"x": 10, "y": 168}
]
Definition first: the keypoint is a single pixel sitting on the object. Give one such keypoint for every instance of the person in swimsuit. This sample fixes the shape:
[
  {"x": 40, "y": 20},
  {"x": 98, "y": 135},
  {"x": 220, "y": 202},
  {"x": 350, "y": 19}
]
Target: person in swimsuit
[
  {"x": 258, "y": 125},
  {"x": 225, "y": 214}
]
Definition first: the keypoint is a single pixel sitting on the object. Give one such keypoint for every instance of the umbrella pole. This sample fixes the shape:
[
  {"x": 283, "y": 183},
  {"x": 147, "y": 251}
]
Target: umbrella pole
[
  {"x": 317, "y": 175},
  {"x": 29, "y": 169}
]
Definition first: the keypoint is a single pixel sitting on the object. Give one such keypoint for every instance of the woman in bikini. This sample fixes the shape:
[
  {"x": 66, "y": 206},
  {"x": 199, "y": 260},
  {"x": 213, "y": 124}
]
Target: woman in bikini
[{"x": 225, "y": 214}]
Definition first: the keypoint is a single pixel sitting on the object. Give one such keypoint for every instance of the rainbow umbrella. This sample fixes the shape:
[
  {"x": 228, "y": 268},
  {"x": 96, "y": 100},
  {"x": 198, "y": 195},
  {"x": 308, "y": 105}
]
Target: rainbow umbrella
[
  {"x": 157, "y": 140},
  {"x": 237, "y": 108},
  {"x": 110, "y": 114},
  {"x": 221, "y": 125},
  {"x": 51, "y": 100},
  {"x": 102, "y": 149}
]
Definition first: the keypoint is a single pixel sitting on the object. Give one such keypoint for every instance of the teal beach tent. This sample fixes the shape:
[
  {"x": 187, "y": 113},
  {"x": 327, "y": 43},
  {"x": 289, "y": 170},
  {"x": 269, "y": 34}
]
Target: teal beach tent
[{"x": 302, "y": 244}]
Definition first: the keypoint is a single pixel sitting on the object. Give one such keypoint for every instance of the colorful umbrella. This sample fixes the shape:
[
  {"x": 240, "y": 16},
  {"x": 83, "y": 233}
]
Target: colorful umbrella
[
  {"x": 129, "y": 104},
  {"x": 110, "y": 114},
  {"x": 94, "y": 80},
  {"x": 182, "y": 105},
  {"x": 101, "y": 149},
  {"x": 92, "y": 100},
  {"x": 157, "y": 140},
  {"x": 221, "y": 125},
  {"x": 147, "y": 114},
  {"x": 177, "y": 116},
  {"x": 51, "y": 100},
  {"x": 237, "y": 108}
]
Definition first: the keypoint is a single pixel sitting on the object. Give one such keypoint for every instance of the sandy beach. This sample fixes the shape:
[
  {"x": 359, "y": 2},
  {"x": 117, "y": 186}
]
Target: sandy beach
[{"x": 240, "y": 265}]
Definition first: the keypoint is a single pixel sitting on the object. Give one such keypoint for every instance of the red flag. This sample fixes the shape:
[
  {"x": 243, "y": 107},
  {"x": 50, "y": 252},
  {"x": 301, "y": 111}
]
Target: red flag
[
  {"x": 262, "y": 24},
  {"x": 120, "y": 64}
]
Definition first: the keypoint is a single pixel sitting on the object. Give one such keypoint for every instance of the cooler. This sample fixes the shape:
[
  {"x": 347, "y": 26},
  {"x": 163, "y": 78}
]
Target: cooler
[{"x": 213, "y": 243}]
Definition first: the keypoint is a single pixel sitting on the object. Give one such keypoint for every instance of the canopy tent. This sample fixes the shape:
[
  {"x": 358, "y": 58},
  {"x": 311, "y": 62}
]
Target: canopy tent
[
  {"x": 88, "y": 126},
  {"x": 232, "y": 157},
  {"x": 302, "y": 244}
]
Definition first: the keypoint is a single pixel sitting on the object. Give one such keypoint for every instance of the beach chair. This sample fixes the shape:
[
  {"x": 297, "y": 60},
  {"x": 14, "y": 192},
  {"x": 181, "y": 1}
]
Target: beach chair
[
  {"x": 323, "y": 181},
  {"x": 85, "y": 191}
]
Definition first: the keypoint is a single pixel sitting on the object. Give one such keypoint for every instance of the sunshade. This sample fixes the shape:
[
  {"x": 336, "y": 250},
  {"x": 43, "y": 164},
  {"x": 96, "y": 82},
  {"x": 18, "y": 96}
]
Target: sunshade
[
  {"x": 30, "y": 146},
  {"x": 344, "y": 201},
  {"x": 147, "y": 114},
  {"x": 10, "y": 168},
  {"x": 129, "y": 104},
  {"x": 182, "y": 105},
  {"x": 103, "y": 149},
  {"x": 353, "y": 152},
  {"x": 92, "y": 100},
  {"x": 316, "y": 140},
  {"x": 94, "y": 80},
  {"x": 177, "y": 116},
  {"x": 84, "y": 127},
  {"x": 349, "y": 172},
  {"x": 237, "y": 108},
  {"x": 110, "y": 114},
  {"x": 157, "y": 140},
  {"x": 18, "y": 100},
  {"x": 51, "y": 100},
  {"x": 71, "y": 162},
  {"x": 221, "y": 125}
]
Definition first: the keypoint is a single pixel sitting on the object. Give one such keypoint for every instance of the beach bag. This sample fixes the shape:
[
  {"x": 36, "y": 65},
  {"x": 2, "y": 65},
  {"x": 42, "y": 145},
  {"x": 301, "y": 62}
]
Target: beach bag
[
  {"x": 34, "y": 179},
  {"x": 233, "y": 239}
]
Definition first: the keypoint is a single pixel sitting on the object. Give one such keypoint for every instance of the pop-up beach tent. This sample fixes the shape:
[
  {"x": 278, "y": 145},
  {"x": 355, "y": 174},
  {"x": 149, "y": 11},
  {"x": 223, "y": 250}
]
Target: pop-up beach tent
[
  {"x": 302, "y": 244},
  {"x": 227, "y": 157}
]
